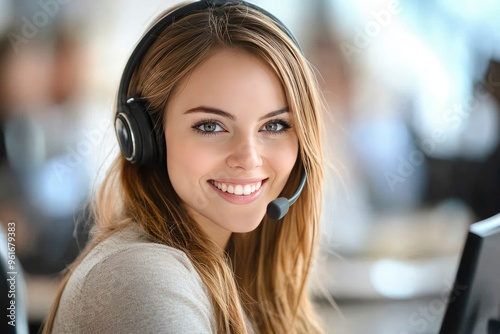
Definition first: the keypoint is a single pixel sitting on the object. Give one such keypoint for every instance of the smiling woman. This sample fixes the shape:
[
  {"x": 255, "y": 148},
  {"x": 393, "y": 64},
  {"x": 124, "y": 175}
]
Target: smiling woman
[
  {"x": 243, "y": 140},
  {"x": 218, "y": 114}
]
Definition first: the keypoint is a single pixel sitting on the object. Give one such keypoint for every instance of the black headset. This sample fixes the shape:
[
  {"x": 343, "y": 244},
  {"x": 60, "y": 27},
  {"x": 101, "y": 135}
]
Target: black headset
[{"x": 141, "y": 143}]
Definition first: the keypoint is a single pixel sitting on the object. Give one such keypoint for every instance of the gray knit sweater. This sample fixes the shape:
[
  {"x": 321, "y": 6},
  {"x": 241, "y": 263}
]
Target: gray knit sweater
[{"x": 127, "y": 284}]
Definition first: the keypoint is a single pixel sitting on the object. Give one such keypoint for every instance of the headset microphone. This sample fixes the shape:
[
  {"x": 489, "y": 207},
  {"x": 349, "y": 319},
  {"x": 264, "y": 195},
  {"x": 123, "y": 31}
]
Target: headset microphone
[{"x": 278, "y": 208}]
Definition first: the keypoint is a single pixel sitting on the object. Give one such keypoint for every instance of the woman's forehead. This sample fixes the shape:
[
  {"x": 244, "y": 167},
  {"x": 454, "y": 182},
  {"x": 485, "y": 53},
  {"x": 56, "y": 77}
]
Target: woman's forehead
[{"x": 231, "y": 80}]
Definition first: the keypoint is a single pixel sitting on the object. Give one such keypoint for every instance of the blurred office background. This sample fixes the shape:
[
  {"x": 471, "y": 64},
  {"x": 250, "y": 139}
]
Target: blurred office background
[{"x": 413, "y": 95}]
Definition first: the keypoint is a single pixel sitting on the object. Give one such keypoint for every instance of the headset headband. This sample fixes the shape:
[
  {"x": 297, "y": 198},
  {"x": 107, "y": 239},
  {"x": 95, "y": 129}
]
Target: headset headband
[{"x": 152, "y": 35}]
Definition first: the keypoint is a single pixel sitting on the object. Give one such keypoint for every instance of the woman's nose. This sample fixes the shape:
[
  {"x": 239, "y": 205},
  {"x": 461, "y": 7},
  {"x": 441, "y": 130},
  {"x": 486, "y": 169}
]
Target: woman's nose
[{"x": 245, "y": 156}]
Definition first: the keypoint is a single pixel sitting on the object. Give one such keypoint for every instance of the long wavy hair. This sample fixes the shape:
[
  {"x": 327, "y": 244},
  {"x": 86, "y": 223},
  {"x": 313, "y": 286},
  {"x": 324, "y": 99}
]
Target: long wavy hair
[{"x": 262, "y": 273}]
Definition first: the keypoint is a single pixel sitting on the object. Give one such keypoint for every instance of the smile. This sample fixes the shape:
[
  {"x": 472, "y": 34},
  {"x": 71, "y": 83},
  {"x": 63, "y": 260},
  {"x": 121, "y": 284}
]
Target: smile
[{"x": 237, "y": 189}]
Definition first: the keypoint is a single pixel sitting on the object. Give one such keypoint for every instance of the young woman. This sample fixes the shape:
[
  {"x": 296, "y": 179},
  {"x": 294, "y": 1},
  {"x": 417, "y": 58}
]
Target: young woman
[{"x": 182, "y": 242}]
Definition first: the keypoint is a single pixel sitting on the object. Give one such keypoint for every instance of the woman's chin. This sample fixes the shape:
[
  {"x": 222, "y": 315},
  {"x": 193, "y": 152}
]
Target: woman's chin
[{"x": 239, "y": 225}]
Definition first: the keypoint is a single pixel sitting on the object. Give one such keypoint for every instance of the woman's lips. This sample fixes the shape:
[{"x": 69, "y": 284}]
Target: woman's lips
[{"x": 239, "y": 192}]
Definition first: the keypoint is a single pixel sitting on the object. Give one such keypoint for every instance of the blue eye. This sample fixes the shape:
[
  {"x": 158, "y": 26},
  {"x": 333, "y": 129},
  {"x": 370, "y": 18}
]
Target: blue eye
[
  {"x": 208, "y": 127},
  {"x": 276, "y": 126}
]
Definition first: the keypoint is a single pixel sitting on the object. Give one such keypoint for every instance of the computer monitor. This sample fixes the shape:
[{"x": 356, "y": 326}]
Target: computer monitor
[{"x": 474, "y": 303}]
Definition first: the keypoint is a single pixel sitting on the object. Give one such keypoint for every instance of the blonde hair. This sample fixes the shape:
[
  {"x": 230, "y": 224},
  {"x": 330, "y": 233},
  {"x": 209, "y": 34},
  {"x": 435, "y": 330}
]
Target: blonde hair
[{"x": 262, "y": 273}]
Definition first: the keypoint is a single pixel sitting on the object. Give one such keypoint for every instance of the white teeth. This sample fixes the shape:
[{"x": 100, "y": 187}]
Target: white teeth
[{"x": 238, "y": 189}]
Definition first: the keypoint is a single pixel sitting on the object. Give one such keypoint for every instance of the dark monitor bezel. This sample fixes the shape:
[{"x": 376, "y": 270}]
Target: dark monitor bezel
[{"x": 474, "y": 303}]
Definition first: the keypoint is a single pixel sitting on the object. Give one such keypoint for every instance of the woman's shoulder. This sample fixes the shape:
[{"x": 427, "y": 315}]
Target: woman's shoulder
[
  {"x": 128, "y": 254},
  {"x": 131, "y": 250},
  {"x": 129, "y": 283}
]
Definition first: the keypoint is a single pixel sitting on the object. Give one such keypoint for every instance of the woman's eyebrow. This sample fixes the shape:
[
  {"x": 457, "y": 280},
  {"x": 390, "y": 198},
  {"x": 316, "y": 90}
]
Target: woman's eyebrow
[
  {"x": 274, "y": 113},
  {"x": 225, "y": 114},
  {"x": 210, "y": 110}
]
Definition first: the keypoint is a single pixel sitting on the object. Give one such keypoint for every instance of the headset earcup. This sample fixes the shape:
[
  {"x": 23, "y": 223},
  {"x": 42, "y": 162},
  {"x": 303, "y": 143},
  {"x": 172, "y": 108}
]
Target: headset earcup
[
  {"x": 136, "y": 135},
  {"x": 124, "y": 133}
]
